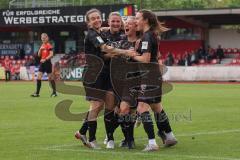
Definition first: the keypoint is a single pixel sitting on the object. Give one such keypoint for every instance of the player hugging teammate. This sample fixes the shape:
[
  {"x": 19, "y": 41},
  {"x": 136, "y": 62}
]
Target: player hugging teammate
[{"x": 119, "y": 55}]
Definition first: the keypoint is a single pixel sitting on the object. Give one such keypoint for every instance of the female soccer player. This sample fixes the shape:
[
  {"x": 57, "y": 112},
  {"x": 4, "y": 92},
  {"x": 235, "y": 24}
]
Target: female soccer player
[
  {"x": 127, "y": 105},
  {"x": 149, "y": 26},
  {"x": 45, "y": 53}
]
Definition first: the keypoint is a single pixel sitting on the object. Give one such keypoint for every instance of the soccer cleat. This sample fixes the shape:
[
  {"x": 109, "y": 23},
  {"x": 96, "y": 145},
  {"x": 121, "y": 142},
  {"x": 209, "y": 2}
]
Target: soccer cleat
[
  {"x": 94, "y": 145},
  {"x": 150, "y": 148},
  {"x": 123, "y": 144},
  {"x": 53, "y": 95},
  {"x": 105, "y": 140},
  {"x": 35, "y": 95},
  {"x": 131, "y": 145},
  {"x": 110, "y": 144},
  {"x": 170, "y": 142},
  {"x": 83, "y": 138}
]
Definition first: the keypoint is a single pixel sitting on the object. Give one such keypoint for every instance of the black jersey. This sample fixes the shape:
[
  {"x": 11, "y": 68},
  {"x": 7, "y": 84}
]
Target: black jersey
[
  {"x": 150, "y": 89},
  {"x": 92, "y": 43},
  {"x": 94, "y": 76},
  {"x": 127, "y": 45},
  {"x": 149, "y": 43},
  {"x": 112, "y": 39}
]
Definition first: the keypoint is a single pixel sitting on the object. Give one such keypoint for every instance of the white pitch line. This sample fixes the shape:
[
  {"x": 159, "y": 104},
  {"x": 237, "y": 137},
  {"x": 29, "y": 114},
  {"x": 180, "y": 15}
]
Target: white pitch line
[
  {"x": 209, "y": 133},
  {"x": 145, "y": 154},
  {"x": 179, "y": 135}
]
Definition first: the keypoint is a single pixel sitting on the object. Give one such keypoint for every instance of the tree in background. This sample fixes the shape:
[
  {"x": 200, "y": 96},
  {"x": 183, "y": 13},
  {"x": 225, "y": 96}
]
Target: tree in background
[
  {"x": 150, "y": 4},
  {"x": 4, "y": 3}
]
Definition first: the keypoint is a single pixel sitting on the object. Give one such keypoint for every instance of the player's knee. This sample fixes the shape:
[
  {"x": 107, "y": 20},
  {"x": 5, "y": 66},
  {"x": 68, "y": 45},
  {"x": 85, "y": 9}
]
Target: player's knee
[
  {"x": 96, "y": 106},
  {"x": 156, "y": 107},
  {"x": 124, "y": 111},
  {"x": 142, "y": 107},
  {"x": 124, "y": 108}
]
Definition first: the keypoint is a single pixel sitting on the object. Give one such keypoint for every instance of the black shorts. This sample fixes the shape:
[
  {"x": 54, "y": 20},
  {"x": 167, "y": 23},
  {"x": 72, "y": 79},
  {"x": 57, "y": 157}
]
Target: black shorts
[
  {"x": 150, "y": 97},
  {"x": 97, "y": 90},
  {"x": 150, "y": 100},
  {"x": 46, "y": 67},
  {"x": 128, "y": 97}
]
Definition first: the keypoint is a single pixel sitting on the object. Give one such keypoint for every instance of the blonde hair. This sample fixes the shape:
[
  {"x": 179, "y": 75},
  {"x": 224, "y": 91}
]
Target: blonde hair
[
  {"x": 44, "y": 34},
  {"x": 131, "y": 18},
  {"x": 119, "y": 15},
  {"x": 114, "y": 14}
]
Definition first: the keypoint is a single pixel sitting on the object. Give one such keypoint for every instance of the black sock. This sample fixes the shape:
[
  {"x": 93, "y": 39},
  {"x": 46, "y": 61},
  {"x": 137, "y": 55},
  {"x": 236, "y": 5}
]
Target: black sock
[
  {"x": 109, "y": 123},
  {"x": 92, "y": 130},
  {"x": 131, "y": 130},
  {"x": 53, "y": 84},
  {"x": 162, "y": 122},
  {"x": 123, "y": 130},
  {"x": 148, "y": 124},
  {"x": 125, "y": 125},
  {"x": 115, "y": 121},
  {"x": 39, "y": 84},
  {"x": 84, "y": 128}
]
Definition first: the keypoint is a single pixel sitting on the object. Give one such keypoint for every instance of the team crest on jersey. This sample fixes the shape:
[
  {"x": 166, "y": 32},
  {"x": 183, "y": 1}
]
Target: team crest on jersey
[
  {"x": 100, "y": 40},
  {"x": 144, "y": 45}
]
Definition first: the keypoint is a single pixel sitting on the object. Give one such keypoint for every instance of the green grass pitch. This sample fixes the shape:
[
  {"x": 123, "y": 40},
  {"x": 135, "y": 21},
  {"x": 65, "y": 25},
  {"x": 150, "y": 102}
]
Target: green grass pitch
[{"x": 205, "y": 119}]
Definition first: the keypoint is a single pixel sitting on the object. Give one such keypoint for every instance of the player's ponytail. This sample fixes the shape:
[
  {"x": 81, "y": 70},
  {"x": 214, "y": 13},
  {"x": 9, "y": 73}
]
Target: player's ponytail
[{"x": 153, "y": 22}]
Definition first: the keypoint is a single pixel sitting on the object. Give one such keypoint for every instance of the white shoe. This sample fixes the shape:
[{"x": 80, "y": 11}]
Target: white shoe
[
  {"x": 150, "y": 148},
  {"x": 105, "y": 140},
  {"x": 110, "y": 144},
  {"x": 94, "y": 145},
  {"x": 170, "y": 142}
]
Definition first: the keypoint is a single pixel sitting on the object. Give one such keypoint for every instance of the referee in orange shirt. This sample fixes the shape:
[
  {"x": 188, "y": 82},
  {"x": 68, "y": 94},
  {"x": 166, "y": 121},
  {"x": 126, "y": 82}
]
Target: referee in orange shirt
[{"x": 45, "y": 53}]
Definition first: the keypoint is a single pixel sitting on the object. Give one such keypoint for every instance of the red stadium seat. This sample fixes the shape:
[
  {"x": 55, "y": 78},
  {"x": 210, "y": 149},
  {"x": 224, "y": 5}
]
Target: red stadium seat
[
  {"x": 214, "y": 61},
  {"x": 202, "y": 61},
  {"x": 229, "y": 51},
  {"x": 235, "y": 50},
  {"x": 224, "y": 50},
  {"x": 234, "y": 61},
  {"x": 238, "y": 61},
  {"x": 23, "y": 62}
]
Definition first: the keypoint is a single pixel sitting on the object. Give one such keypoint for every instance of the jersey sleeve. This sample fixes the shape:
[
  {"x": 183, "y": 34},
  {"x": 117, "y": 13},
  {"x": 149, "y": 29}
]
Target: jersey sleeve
[
  {"x": 95, "y": 39},
  {"x": 146, "y": 43},
  {"x": 49, "y": 47}
]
